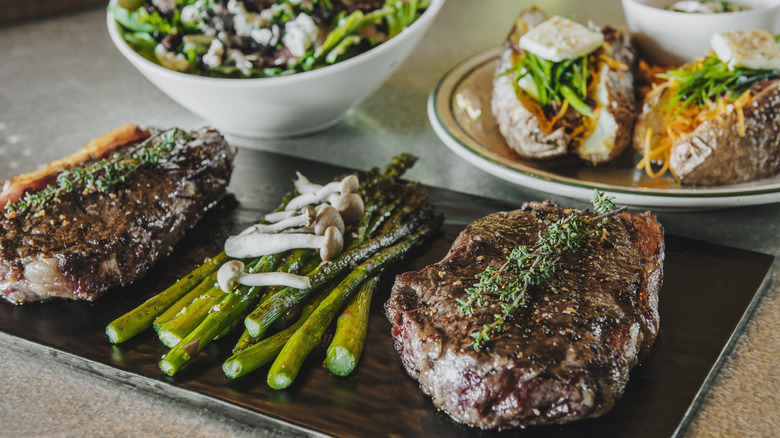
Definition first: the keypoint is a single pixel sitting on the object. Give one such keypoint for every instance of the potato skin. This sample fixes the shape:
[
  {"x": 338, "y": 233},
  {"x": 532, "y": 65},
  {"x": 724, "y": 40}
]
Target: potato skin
[
  {"x": 520, "y": 123},
  {"x": 621, "y": 98},
  {"x": 714, "y": 153}
]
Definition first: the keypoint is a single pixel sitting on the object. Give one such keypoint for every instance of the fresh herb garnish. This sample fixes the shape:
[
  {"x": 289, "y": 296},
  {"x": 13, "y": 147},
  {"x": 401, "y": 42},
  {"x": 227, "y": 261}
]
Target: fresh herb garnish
[
  {"x": 530, "y": 265},
  {"x": 703, "y": 82},
  {"x": 103, "y": 174},
  {"x": 555, "y": 81}
]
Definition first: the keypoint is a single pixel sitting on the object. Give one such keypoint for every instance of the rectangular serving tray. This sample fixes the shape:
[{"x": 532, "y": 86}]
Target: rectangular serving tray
[{"x": 709, "y": 292}]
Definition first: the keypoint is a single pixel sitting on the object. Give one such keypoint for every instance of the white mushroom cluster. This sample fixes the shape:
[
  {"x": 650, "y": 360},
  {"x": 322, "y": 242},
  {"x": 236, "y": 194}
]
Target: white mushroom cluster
[
  {"x": 316, "y": 219},
  {"x": 339, "y": 194}
]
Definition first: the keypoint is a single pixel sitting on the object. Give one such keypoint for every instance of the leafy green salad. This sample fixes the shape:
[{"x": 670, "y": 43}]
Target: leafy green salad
[{"x": 259, "y": 38}]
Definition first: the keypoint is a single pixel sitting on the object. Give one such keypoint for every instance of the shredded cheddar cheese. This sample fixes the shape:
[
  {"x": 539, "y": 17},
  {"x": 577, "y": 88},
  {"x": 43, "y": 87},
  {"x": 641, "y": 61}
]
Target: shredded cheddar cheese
[
  {"x": 549, "y": 119},
  {"x": 613, "y": 63},
  {"x": 649, "y": 153},
  {"x": 593, "y": 71},
  {"x": 561, "y": 113},
  {"x": 578, "y": 132}
]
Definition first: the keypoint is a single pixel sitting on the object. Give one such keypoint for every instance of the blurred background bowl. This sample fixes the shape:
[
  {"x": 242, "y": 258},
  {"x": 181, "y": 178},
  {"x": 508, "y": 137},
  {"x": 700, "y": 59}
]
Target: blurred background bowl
[
  {"x": 276, "y": 107},
  {"x": 670, "y": 38}
]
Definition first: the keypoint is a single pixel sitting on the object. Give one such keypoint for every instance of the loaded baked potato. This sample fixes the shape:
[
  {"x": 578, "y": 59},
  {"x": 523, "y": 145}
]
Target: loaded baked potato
[
  {"x": 561, "y": 88},
  {"x": 715, "y": 121}
]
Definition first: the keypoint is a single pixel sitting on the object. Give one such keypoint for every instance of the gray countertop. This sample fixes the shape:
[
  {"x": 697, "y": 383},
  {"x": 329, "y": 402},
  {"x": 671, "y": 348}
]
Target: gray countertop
[{"x": 63, "y": 83}]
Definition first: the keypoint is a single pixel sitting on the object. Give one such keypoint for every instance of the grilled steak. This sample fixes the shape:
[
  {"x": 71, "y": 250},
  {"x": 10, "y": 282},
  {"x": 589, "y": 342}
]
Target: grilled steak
[
  {"x": 83, "y": 242},
  {"x": 564, "y": 355}
]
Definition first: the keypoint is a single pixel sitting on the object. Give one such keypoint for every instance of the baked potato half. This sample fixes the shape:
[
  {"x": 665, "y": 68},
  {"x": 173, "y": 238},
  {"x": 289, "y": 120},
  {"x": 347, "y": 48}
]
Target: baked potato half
[
  {"x": 542, "y": 131},
  {"x": 727, "y": 143}
]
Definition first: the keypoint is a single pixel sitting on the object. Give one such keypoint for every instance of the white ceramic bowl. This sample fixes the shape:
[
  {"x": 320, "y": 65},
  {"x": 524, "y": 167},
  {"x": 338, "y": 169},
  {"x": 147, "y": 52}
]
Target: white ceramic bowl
[
  {"x": 287, "y": 106},
  {"x": 669, "y": 37}
]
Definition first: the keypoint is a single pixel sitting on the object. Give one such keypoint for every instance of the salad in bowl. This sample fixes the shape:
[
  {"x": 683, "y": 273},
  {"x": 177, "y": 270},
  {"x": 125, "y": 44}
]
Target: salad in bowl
[{"x": 259, "y": 38}]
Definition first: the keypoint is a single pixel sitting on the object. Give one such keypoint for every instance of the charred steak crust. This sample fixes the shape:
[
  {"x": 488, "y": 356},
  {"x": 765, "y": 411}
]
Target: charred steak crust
[
  {"x": 565, "y": 356},
  {"x": 81, "y": 245}
]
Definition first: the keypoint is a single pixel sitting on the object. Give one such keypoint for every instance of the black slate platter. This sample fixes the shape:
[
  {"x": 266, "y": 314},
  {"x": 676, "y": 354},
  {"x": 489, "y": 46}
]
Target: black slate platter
[{"x": 708, "y": 293}]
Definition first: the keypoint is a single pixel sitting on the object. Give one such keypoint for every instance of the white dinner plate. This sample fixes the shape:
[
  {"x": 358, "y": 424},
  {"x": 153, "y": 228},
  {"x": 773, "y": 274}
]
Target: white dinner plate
[{"x": 459, "y": 110}]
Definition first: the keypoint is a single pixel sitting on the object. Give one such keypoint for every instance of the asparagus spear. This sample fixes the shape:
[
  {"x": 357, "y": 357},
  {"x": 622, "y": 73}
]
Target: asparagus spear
[
  {"x": 299, "y": 261},
  {"x": 266, "y": 313},
  {"x": 287, "y": 364},
  {"x": 398, "y": 165},
  {"x": 229, "y": 311},
  {"x": 186, "y": 300},
  {"x": 378, "y": 181},
  {"x": 375, "y": 188},
  {"x": 291, "y": 315},
  {"x": 252, "y": 357},
  {"x": 194, "y": 311},
  {"x": 244, "y": 342},
  {"x": 388, "y": 210},
  {"x": 219, "y": 316},
  {"x": 379, "y": 205},
  {"x": 140, "y": 318},
  {"x": 352, "y": 325},
  {"x": 351, "y": 328},
  {"x": 172, "y": 332}
]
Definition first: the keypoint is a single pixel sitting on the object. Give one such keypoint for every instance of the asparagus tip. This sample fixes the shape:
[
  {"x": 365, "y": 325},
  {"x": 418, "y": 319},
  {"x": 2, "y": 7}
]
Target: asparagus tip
[{"x": 340, "y": 361}]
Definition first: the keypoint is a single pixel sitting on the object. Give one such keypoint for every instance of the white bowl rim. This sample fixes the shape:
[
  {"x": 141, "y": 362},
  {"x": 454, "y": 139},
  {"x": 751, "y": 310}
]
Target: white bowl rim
[
  {"x": 771, "y": 4},
  {"x": 128, "y": 51}
]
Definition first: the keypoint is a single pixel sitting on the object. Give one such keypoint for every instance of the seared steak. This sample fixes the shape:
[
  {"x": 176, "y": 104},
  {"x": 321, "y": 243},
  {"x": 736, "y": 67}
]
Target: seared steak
[
  {"x": 564, "y": 355},
  {"x": 84, "y": 242}
]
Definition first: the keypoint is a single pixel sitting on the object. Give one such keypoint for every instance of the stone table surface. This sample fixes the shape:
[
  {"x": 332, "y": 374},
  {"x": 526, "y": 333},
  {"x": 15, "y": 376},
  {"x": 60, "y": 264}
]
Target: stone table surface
[{"x": 62, "y": 83}]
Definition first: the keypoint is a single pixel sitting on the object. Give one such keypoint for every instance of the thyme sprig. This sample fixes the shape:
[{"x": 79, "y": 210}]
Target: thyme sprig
[
  {"x": 704, "y": 81},
  {"x": 528, "y": 266},
  {"x": 102, "y": 175}
]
